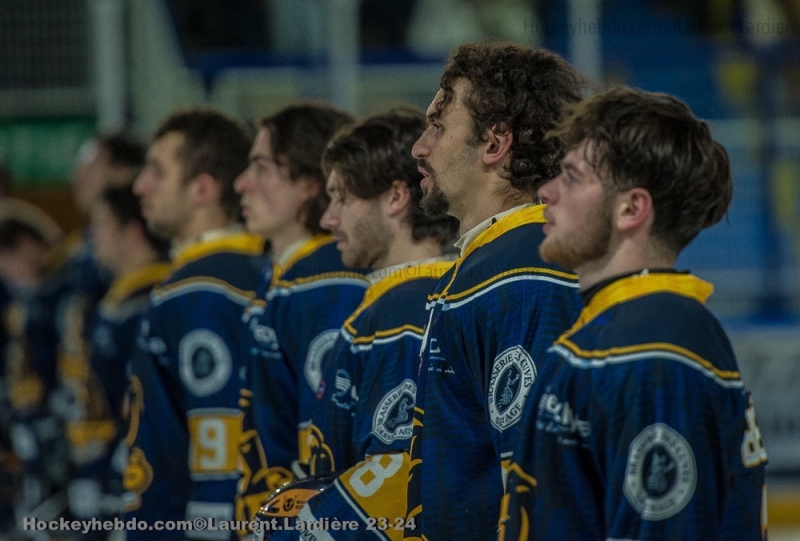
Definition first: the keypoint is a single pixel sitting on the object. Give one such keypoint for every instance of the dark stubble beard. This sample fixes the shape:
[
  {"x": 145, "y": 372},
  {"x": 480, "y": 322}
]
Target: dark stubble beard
[
  {"x": 592, "y": 244},
  {"x": 370, "y": 241},
  {"x": 434, "y": 202}
]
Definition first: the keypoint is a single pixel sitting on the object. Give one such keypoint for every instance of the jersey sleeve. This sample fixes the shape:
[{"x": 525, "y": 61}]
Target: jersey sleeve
[
  {"x": 667, "y": 460},
  {"x": 333, "y": 408},
  {"x": 191, "y": 418}
]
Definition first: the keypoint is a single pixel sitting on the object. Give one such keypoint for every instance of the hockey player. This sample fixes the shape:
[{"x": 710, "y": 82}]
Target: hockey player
[
  {"x": 183, "y": 463},
  {"x": 640, "y": 426},
  {"x": 301, "y": 302},
  {"x": 364, "y": 406},
  {"x": 492, "y": 317},
  {"x": 136, "y": 258}
]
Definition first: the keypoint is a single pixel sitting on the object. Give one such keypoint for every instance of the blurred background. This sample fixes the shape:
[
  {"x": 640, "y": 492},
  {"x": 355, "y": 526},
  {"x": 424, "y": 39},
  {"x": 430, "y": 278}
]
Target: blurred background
[{"x": 72, "y": 69}]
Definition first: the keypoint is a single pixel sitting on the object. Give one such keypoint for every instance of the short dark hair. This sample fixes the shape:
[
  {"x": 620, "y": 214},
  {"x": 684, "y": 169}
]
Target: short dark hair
[
  {"x": 215, "y": 144},
  {"x": 377, "y": 151},
  {"x": 653, "y": 141},
  {"x": 127, "y": 207},
  {"x": 123, "y": 149},
  {"x": 299, "y": 134},
  {"x": 514, "y": 88}
]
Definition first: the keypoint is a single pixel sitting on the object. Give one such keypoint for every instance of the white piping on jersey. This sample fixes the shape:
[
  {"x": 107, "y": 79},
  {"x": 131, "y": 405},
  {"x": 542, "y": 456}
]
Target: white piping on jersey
[
  {"x": 382, "y": 341},
  {"x": 213, "y": 476},
  {"x": 451, "y": 306},
  {"x": 580, "y": 362},
  {"x": 286, "y": 291},
  {"x": 355, "y": 507},
  {"x": 125, "y": 310},
  {"x": 507, "y": 454},
  {"x": 199, "y": 287},
  {"x": 213, "y": 411}
]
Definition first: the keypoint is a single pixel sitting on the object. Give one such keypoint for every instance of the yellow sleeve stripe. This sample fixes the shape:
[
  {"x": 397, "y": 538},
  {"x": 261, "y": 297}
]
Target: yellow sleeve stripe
[
  {"x": 123, "y": 286},
  {"x": 284, "y": 284},
  {"x": 202, "y": 283},
  {"x": 648, "y": 348},
  {"x": 387, "y": 333},
  {"x": 502, "y": 275}
]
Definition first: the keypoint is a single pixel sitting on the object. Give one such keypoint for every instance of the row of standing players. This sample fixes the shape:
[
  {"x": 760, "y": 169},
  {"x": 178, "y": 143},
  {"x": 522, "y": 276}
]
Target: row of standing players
[{"x": 558, "y": 380}]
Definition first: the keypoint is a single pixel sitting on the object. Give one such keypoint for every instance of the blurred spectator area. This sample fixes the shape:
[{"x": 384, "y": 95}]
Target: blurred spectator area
[{"x": 735, "y": 62}]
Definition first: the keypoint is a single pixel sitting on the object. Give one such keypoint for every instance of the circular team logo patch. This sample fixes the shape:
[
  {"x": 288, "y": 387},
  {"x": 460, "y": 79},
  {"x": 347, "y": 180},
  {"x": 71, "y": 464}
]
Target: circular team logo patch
[
  {"x": 317, "y": 349},
  {"x": 395, "y": 413},
  {"x": 661, "y": 473},
  {"x": 205, "y": 362},
  {"x": 513, "y": 374}
]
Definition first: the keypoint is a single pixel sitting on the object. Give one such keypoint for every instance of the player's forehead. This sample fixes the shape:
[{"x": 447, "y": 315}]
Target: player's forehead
[
  {"x": 455, "y": 104},
  {"x": 335, "y": 181},
  {"x": 262, "y": 145},
  {"x": 166, "y": 148}
]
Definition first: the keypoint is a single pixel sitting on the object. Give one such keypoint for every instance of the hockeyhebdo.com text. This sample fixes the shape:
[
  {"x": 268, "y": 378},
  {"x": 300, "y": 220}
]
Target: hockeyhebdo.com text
[
  {"x": 770, "y": 26},
  {"x": 33, "y": 524}
]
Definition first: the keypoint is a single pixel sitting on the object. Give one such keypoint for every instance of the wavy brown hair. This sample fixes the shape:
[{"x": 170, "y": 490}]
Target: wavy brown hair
[
  {"x": 299, "y": 134},
  {"x": 517, "y": 89},
  {"x": 377, "y": 151},
  {"x": 653, "y": 141}
]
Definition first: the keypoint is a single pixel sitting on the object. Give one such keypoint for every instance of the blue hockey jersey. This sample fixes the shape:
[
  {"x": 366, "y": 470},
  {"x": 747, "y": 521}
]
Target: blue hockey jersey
[
  {"x": 491, "y": 319},
  {"x": 95, "y": 434},
  {"x": 292, "y": 324},
  {"x": 364, "y": 408},
  {"x": 640, "y": 426},
  {"x": 186, "y": 383}
]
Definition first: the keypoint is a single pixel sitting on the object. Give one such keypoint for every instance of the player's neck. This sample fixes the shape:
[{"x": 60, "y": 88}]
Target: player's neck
[
  {"x": 201, "y": 221},
  {"x": 136, "y": 257},
  {"x": 486, "y": 205},
  {"x": 405, "y": 249},
  {"x": 623, "y": 260},
  {"x": 283, "y": 239}
]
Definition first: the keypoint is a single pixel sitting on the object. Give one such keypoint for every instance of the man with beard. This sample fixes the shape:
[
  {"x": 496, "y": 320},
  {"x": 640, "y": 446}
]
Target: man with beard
[
  {"x": 639, "y": 426},
  {"x": 183, "y": 463},
  {"x": 491, "y": 318},
  {"x": 365, "y": 402}
]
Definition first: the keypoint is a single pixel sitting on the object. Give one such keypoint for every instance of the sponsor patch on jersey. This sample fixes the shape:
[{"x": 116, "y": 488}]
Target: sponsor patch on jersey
[
  {"x": 205, "y": 362},
  {"x": 513, "y": 374},
  {"x": 317, "y": 349},
  {"x": 345, "y": 395},
  {"x": 394, "y": 415},
  {"x": 661, "y": 473}
]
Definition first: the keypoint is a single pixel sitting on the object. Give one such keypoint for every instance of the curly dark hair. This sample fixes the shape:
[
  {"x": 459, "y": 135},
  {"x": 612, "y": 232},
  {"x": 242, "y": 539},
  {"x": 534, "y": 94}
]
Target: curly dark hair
[
  {"x": 653, "y": 141},
  {"x": 514, "y": 88},
  {"x": 299, "y": 134},
  {"x": 214, "y": 143},
  {"x": 377, "y": 151}
]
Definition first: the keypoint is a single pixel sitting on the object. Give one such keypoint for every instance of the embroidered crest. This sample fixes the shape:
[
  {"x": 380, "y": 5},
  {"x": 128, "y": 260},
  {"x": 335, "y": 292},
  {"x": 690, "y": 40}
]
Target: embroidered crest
[{"x": 513, "y": 375}]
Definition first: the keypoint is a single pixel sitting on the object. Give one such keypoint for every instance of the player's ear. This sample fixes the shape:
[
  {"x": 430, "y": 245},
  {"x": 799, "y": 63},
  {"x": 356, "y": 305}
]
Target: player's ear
[
  {"x": 497, "y": 145},
  {"x": 204, "y": 190},
  {"x": 633, "y": 209},
  {"x": 310, "y": 187},
  {"x": 397, "y": 198}
]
